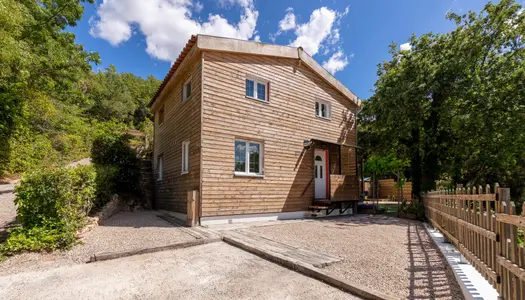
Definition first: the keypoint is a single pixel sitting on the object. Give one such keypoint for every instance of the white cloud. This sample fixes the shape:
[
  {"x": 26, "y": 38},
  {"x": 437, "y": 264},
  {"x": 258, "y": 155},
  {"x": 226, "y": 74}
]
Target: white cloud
[
  {"x": 167, "y": 24},
  {"x": 405, "y": 47},
  {"x": 323, "y": 26},
  {"x": 257, "y": 38},
  {"x": 288, "y": 22},
  {"x": 310, "y": 35},
  {"x": 337, "y": 62}
]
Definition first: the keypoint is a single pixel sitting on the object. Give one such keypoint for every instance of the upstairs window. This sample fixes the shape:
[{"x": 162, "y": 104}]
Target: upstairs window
[
  {"x": 161, "y": 115},
  {"x": 322, "y": 109},
  {"x": 257, "y": 89},
  {"x": 186, "y": 90},
  {"x": 185, "y": 157},
  {"x": 248, "y": 158}
]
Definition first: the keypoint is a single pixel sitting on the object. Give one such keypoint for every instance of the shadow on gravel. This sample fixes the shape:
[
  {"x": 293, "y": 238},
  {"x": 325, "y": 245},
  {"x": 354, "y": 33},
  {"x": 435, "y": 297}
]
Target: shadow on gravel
[
  {"x": 428, "y": 269},
  {"x": 365, "y": 220}
]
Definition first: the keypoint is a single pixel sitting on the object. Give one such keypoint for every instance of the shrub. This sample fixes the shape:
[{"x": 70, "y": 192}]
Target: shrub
[
  {"x": 56, "y": 195},
  {"x": 111, "y": 149},
  {"x": 42, "y": 238},
  {"x": 105, "y": 183},
  {"x": 52, "y": 205}
]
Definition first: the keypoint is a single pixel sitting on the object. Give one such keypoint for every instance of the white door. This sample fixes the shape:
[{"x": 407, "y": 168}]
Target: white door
[{"x": 320, "y": 173}]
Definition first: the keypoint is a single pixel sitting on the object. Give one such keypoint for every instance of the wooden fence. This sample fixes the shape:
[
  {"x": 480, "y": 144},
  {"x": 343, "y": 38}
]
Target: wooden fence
[{"x": 482, "y": 224}]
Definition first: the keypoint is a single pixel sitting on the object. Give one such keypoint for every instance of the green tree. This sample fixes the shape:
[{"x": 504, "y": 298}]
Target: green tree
[
  {"x": 454, "y": 104},
  {"x": 40, "y": 65}
]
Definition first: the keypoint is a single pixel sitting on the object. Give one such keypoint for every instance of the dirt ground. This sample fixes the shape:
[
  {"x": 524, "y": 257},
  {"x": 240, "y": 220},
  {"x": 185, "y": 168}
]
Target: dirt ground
[
  {"x": 123, "y": 231},
  {"x": 212, "y": 271},
  {"x": 391, "y": 255}
]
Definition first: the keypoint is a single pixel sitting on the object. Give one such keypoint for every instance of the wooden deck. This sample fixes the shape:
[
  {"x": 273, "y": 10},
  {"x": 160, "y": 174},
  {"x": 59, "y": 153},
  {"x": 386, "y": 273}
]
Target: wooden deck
[{"x": 317, "y": 259}]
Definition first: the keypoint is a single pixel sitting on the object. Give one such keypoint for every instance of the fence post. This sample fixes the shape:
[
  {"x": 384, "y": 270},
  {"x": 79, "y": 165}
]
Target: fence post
[
  {"x": 503, "y": 196},
  {"x": 192, "y": 213}
]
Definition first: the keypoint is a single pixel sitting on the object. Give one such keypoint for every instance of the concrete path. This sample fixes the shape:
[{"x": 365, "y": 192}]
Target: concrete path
[{"x": 212, "y": 271}]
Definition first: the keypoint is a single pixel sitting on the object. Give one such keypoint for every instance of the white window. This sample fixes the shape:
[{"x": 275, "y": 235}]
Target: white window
[
  {"x": 160, "y": 168},
  {"x": 185, "y": 157},
  {"x": 186, "y": 90},
  {"x": 257, "y": 89},
  {"x": 248, "y": 158},
  {"x": 322, "y": 109}
]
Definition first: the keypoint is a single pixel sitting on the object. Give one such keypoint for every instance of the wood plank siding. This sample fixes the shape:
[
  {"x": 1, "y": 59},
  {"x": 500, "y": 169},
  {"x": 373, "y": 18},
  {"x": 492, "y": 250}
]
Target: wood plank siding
[
  {"x": 182, "y": 121},
  {"x": 281, "y": 126}
]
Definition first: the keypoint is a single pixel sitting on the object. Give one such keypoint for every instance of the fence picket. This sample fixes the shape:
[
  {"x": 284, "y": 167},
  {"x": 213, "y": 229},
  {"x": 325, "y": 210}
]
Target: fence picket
[{"x": 481, "y": 222}]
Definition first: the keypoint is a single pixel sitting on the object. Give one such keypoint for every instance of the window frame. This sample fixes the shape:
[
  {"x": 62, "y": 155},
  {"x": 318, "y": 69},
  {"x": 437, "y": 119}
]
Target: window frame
[
  {"x": 247, "y": 172},
  {"x": 256, "y": 81},
  {"x": 160, "y": 167},
  {"x": 185, "y": 95},
  {"x": 185, "y": 157},
  {"x": 328, "y": 109}
]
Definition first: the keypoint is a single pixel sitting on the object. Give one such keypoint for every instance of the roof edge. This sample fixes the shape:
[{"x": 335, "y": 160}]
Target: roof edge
[{"x": 214, "y": 43}]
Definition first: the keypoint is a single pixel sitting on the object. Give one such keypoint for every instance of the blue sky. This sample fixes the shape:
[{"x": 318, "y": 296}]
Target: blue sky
[{"x": 348, "y": 37}]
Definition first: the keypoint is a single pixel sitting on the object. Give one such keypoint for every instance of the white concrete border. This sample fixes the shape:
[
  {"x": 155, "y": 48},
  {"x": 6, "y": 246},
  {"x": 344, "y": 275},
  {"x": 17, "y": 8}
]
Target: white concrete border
[
  {"x": 236, "y": 219},
  {"x": 472, "y": 284}
]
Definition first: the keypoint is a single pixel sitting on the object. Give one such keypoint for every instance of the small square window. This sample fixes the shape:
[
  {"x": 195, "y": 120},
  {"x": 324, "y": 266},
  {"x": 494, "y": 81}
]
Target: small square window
[
  {"x": 185, "y": 157},
  {"x": 322, "y": 109},
  {"x": 248, "y": 158},
  {"x": 257, "y": 89},
  {"x": 186, "y": 90},
  {"x": 161, "y": 115}
]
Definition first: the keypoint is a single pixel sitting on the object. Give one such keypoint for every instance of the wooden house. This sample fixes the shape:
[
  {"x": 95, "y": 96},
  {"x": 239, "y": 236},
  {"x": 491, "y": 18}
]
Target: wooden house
[{"x": 253, "y": 131}]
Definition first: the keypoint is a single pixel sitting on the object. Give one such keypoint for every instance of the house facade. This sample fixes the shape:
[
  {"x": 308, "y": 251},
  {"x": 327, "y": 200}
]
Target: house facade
[{"x": 259, "y": 131}]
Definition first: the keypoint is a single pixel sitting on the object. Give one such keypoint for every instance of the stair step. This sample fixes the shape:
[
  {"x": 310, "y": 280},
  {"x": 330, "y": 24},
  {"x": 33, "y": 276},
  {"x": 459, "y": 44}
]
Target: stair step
[
  {"x": 317, "y": 207},
  {"x": 322, "y": 201}
]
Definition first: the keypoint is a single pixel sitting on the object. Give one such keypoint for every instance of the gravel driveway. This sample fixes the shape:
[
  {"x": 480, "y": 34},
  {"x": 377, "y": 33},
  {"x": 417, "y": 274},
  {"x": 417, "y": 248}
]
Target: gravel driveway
[
  {"x": 390, "y": 255},
  {"x": 123, "y": 231},
  {"x": 213, "y": 271}
]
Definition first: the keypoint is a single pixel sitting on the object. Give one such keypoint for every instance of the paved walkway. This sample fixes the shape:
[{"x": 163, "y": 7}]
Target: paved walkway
[{"x": 212, "y": 271}]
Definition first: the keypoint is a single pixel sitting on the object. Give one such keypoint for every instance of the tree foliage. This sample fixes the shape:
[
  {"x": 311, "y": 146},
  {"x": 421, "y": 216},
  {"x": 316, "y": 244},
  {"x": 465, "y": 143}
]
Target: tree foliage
[
  {"x": 49, "y": 97},
  {"x": 455, "y": 103}
]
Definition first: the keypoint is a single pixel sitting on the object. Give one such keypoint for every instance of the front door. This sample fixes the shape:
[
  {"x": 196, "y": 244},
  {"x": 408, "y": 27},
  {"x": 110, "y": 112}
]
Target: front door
[{"x": 320, "y": 173}]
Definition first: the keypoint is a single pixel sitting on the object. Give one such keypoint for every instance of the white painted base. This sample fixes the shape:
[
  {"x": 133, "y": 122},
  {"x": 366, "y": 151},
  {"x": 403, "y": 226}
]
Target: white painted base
[
  {"x": 236, "y": 219},
  {"x": 472, "y": 283}
]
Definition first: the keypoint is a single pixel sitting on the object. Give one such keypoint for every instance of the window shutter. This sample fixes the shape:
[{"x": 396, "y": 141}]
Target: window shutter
[{"x": 268, "y": 97}]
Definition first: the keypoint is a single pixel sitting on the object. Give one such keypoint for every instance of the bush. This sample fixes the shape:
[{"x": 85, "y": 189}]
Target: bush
[
  {"x": 112, "y": 150},
  {"x": 106, "y": 186},
  {"x": 52, "y": 205},
  {"x": 56, "y": 195},
  {"x": 44, "y": 238}
]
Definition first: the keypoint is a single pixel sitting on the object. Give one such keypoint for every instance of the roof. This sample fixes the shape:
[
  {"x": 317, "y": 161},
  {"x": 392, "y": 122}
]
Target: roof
[{"x": 214, "y": 43}]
